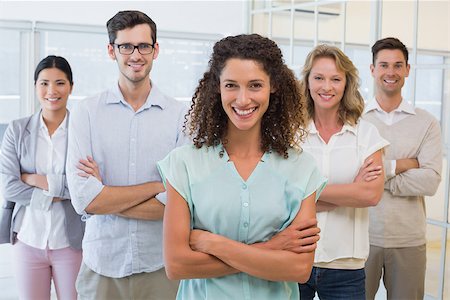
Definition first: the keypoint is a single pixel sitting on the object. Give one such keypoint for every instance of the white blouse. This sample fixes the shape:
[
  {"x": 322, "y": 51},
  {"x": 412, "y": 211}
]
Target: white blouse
[
  {"x": 344, "y": 241},
  {"x": 43, "y": 222}
]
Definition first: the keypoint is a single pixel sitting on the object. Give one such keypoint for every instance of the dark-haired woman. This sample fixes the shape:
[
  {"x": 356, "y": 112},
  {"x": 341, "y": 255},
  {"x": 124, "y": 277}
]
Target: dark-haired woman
[
  {"x": 243, "y": 181},
  {"x": 46, "y": 231}
]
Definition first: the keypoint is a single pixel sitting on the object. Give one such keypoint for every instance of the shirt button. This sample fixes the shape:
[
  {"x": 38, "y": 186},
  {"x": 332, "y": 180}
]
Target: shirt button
[
  {"x": 245, "y": 204},
  {"x": 245, "y": 225},
  {"x": 244, "y": 186}
]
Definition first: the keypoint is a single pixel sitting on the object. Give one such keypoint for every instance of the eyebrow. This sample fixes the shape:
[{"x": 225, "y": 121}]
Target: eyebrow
[{"x": 385, "y": 62}]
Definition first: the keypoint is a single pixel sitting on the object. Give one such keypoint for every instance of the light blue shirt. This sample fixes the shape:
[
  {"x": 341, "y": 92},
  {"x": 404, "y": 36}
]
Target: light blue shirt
[
  {"x": 126, "y": 146},
  {"x": 251, "y": 211}
]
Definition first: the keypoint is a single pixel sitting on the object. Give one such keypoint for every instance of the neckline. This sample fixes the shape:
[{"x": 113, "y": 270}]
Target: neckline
[{"x": 264, "y": 158}]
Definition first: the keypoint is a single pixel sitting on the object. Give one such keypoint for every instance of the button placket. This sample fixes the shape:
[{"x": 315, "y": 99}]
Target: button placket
[{"x": 245, "y": 214}]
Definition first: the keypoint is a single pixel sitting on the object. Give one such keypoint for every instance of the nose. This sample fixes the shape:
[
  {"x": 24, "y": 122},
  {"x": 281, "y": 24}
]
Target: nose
[
  {"x": 51, "y": 89},
  {"x": 326, "y": 85},
  {"x": 136, "y": 55},
  {"x": 390, "y": 70},
  {"x": 243, "y": 98}
]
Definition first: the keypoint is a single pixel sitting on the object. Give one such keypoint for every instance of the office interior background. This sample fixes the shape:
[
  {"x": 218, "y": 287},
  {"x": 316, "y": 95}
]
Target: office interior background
[{"x": 187, "y": 30}]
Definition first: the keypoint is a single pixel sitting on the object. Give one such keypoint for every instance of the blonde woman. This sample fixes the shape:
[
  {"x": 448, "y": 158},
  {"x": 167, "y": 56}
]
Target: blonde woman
[{"x": 348, "y": 151}]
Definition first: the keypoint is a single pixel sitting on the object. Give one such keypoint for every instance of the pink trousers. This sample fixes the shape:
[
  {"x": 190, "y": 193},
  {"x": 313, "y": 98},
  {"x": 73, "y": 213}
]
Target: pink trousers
[{"x": 35, "y": 268}]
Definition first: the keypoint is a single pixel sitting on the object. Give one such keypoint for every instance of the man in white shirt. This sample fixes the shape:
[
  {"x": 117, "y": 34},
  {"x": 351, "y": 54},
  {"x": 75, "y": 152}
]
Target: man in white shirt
[{"x": 413, "y": 162}]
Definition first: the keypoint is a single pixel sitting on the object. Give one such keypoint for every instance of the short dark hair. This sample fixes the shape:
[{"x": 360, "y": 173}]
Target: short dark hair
[
  {"x": 389, "y": 43},
  {"x": 128, "y": 19},
  {"x": 53, "y": 61},
  {"x": 283, "y": 123}
]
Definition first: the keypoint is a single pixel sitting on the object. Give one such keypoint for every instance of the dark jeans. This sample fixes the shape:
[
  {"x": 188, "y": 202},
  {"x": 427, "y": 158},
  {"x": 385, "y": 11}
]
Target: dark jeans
[{"x": 334, "y": 284}]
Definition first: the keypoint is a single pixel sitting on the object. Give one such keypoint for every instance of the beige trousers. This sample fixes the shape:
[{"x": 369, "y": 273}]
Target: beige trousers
[
  {"x": 142, "y": 286},
  {"x": 403, "y": 271}
]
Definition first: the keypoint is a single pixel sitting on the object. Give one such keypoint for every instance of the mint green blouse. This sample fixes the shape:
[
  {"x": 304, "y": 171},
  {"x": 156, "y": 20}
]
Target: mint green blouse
[{"x": 251, "y": 211}]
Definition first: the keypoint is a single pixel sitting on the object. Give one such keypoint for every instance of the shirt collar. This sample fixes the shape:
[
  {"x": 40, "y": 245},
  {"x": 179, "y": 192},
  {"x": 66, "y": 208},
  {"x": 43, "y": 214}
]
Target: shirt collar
[
  {"x": 404, "y": 106},
  {"x": 62, "y": 126},
  {"x": 155, "y": 98},
  {"x": 347, "y": 127}
]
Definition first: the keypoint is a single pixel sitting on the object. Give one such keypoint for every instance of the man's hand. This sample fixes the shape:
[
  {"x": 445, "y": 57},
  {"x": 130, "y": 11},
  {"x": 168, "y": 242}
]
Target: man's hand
[
  {"x": 403, "y": 165},
  {"x": 89, "y": 168},
  {"x": 299, "y": 238}
]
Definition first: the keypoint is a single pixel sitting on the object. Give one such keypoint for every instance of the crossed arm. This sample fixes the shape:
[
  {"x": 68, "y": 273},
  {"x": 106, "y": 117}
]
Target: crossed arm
[
  {"x": 420, "y": 175},
  {"x": 136, "y": 201},
  {"x": 365, "y": 190},
  {"x": 201, "y": 254},
  {"x": 39, "y": 181}
]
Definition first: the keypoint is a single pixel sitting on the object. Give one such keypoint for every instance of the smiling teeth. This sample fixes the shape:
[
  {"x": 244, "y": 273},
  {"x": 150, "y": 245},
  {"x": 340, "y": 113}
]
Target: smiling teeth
[
  {"x": 52, "y": 99},
  {"x": 326, "y": 96},
  {"x": 244, "y": 112},
  {"x": 390, "y": 81}
]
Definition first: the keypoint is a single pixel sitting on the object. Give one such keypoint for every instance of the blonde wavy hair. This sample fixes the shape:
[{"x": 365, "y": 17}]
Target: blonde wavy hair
[{"x": 352, "y": 103}]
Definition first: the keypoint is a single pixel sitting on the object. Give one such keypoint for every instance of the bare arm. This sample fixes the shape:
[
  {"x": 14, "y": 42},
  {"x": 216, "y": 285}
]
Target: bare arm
[
  {"x": 180, "y": 260},
  {"x": 151, "y": 209},
  {"x": 360, "y": 193},
  {"x": 300, "y": 237},
  {"x": 269, "y": 264},
  {"x": 324, "y": 206}
]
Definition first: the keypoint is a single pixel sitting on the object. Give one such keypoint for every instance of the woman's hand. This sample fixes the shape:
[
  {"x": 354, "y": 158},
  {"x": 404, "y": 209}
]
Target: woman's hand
[
  {"x": 299, "y": 238},
  {"x": 89, "y": 168},
  {"x": 368, "y": 171},
  {"x": 200, "y": 240},
  {"x": 36, "y": 180}
]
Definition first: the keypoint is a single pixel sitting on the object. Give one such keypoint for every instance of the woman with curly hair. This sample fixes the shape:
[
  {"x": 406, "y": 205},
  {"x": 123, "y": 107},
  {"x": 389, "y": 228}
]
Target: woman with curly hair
[
  {"x": 348, "y": 151},
  {"x": 243, "y": 181}
]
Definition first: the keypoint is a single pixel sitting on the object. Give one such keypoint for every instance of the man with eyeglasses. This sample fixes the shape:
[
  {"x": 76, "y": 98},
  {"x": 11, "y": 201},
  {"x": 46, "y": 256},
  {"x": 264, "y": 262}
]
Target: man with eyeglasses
[{"x": 115, "y": 140}]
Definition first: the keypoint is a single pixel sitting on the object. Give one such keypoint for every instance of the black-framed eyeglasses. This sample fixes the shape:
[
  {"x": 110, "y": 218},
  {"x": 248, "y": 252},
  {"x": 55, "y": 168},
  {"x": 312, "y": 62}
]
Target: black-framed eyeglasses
[{"x": 128, "y": 49}]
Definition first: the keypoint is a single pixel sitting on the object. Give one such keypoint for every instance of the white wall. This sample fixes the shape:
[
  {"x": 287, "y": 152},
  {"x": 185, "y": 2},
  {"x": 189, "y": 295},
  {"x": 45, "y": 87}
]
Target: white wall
[{"x": 214, "y": 17}]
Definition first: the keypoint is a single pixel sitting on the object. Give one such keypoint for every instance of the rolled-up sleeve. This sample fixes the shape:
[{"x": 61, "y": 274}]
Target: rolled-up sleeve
[{"x": 82, "y": 190}]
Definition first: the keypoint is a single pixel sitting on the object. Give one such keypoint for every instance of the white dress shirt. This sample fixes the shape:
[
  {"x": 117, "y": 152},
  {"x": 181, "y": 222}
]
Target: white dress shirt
[
  {"x": 43, "y": 222},
  {"x": 404, "y": 110}
]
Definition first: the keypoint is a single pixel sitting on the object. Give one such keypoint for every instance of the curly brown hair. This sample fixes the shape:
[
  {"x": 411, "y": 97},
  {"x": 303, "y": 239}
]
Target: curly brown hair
[
  {"x": 352, "y": 103},
  {"x": 282, "y": 125}
]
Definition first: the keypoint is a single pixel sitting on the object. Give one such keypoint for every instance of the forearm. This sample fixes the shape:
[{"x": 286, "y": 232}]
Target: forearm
[
  {"x": 274, "y": 265},
  {"x": 185, "y": 263},
  {"x": 150, "y": 209},
  {"x": 324, "y": 206},
  {"x": 356, "y": 194},
  {"x": 117, "y": 199},
  {"x": 414, "y": 182},
  {"x": 403, "y": 165}
]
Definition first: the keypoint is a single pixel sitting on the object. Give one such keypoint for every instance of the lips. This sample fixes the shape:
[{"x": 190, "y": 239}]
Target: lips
[
  {"x": 326, "y": 96},
  {"x": 136, "y": 67},
  {"x": 52, "y": 99},
  {"x": 244, "y": 112}
]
